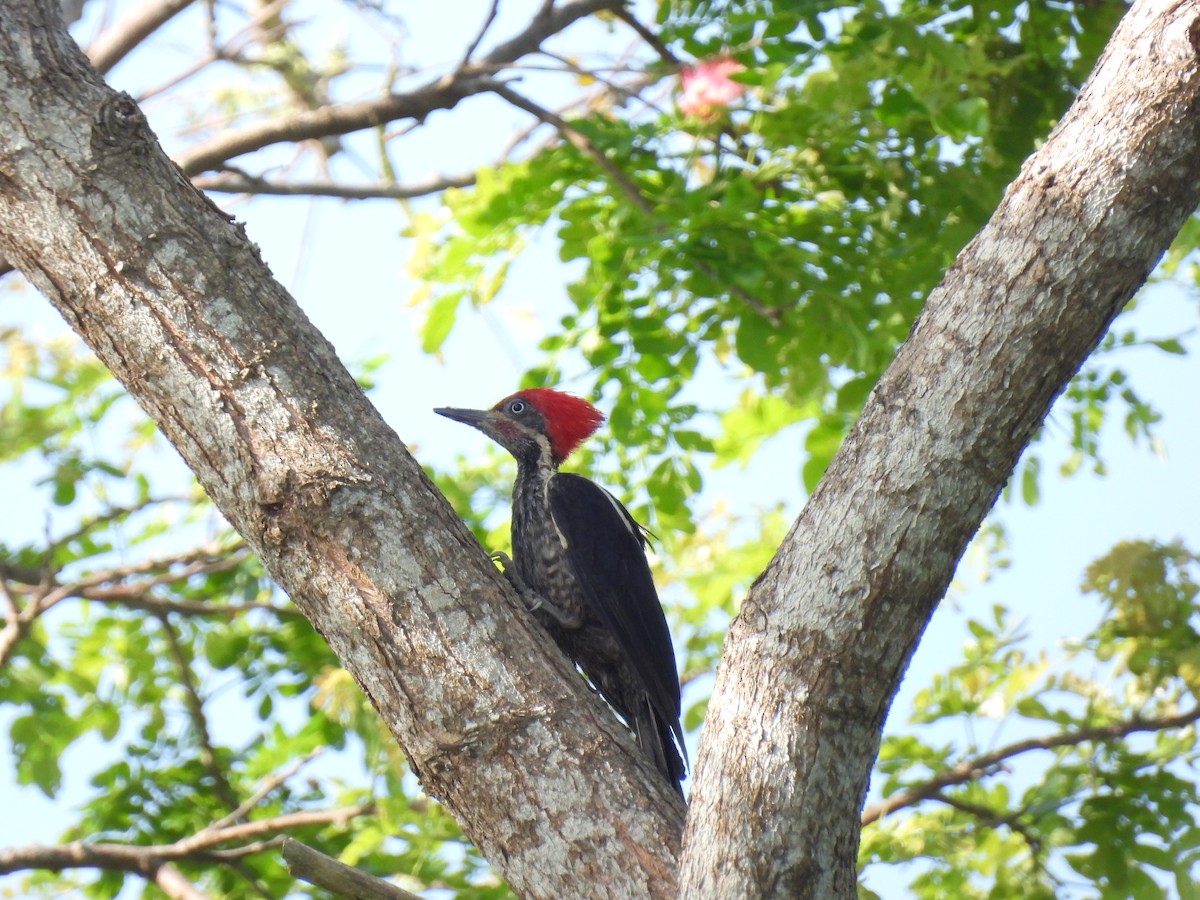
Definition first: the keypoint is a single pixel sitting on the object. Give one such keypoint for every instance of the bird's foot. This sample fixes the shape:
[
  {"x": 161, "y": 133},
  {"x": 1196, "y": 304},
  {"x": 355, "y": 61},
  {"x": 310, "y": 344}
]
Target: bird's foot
[{"x": 534, "y": 602}]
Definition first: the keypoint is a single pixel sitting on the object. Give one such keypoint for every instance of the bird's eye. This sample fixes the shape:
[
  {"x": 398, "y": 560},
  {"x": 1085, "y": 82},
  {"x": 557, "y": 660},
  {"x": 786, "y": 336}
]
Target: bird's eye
[{"x": 517, "y": 407}]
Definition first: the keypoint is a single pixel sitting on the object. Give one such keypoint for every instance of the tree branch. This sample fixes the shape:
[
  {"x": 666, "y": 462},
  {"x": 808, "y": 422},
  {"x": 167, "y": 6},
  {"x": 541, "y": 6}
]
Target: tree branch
[
  {"x": 581, "y": 142},
  {"x": 132, "y": 598},
  {"x": 479, "y": 36},
  {"x": 990, "y": 818},
  {"x": 145, "y": 859},
  {"x": 242, "y": 183},
  {"x": 652, "y": 39},
  {"x": 122, "y": 38},
  {"x": 171, "y": 882},
  {"x": 986, "y": 763},
  {"x": 626, "y": 186},
  {"x": 205, "y": 560},
  {"x": 338, "y": 878},
  {"x": 344, "y": 118},
  {"x": 269, "y": 784}
]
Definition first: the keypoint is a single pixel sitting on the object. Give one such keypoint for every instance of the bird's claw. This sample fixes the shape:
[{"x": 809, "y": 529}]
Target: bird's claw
[{"x": 534, "y": 602}]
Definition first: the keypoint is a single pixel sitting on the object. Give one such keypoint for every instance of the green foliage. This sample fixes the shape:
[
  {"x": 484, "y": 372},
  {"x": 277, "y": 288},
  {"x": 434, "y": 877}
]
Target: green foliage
[
  {"x": 1113, "y": 805},
  {"x": 736, "y": 279},
  {"x": 794, "y": 238},
  {"x": 124, "y": 681}
]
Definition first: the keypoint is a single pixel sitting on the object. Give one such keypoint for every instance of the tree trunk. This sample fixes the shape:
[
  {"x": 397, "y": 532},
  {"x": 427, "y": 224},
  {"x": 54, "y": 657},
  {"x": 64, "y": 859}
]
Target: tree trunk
[
  {"x": 539, "y": 774},
  {"x": 813, "y": 659},
  {"x": 177, "y": 303}
]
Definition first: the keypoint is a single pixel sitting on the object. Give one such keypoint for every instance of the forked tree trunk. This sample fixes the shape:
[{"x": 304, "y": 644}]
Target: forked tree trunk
[{"x": 539, "y": 774}]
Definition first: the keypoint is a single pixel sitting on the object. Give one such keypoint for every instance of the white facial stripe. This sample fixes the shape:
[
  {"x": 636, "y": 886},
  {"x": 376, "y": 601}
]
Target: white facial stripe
[{"x": 547, "y": 455}]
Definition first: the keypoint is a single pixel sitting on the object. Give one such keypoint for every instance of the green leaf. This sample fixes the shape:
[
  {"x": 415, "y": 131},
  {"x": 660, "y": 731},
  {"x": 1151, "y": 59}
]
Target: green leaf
[
  {"x": 966, "y": 118},
  {"x": 439, "y": 320},
  {"x": 1171, "y": 345},
  {"x": 1029, "y": 481}
]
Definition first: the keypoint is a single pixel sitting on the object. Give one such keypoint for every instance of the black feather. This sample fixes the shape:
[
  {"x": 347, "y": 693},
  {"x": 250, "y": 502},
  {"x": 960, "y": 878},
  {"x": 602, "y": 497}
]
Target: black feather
[{"x": 606, "y": 550}]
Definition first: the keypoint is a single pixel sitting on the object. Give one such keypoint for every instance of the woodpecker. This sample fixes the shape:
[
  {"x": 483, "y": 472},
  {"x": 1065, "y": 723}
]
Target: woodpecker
[{"x": 579, "y": 563}]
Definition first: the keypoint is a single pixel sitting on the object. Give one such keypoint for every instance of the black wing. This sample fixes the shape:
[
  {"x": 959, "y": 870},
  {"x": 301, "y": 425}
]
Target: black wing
[{"x": 605, "y": 547}]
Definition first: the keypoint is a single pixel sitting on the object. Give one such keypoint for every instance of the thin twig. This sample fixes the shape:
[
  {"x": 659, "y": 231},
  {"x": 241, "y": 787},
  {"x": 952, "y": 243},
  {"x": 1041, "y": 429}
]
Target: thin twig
[
  {"x": 623, "y": 13},
  {"x": 991, "y": 818},
  {"x": 626, "y": 185},
  {"x": 204, "y": 560},
  {"x": 195, "y": 706},
  {"x": 580, "y": 141},
  {"x": 269, "y": 784},
  {"x": 241, "y": 183},
  {"x": 203, "y": 564},
  {"x": 111, "y": 515},
  {"x": 474, "y": 45},
  {"x": 132, "y": 598}
]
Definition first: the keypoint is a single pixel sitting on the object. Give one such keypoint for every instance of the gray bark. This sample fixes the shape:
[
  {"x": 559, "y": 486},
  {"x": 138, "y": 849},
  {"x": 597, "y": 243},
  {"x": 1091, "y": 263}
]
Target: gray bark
[
  {"x": 812, "y": 661},
  {"x": 177, "y": 303}
]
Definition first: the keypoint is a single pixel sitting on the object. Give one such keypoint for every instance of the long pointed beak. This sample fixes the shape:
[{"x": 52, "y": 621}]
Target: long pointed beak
[{"x": 473, "y": 417}]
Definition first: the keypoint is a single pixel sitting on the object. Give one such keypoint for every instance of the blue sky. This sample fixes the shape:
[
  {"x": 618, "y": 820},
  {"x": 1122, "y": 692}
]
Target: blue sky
[{"x": 344, "y": 262}]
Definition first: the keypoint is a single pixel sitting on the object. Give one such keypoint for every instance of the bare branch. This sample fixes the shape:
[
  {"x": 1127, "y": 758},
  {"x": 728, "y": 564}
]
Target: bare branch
[
  {"x": 342, "y": 880},
  {"x": 145, "y": 859},
  {"x": 118, "y": 41},
  {"x": 985, "y": 764},
  {"x": 648, "y": 36},
  {"x": 335, "y": 119},
  {"x": 241, "y": 183},
  {"x": 483, "y": 30},
  {"x": 171, "y": 882},
  {"x": 581, "y": 142}
]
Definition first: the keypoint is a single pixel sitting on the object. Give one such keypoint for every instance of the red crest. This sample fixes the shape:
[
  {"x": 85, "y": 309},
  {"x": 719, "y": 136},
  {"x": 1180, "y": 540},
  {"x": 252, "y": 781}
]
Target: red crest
[{"x": 570, "y": 420}]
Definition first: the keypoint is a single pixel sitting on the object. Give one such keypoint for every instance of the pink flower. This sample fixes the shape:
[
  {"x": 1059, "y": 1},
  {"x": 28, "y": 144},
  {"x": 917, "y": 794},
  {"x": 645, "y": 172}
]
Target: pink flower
[{"x": 707, "y": 87}]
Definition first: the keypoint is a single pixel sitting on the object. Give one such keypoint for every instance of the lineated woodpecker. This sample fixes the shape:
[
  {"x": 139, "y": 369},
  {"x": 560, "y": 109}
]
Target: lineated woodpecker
[{"x": 579, "y": 562}]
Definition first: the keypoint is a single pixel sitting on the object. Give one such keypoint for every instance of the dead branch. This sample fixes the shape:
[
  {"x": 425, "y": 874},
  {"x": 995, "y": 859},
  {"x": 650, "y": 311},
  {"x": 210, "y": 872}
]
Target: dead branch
[
  {"x": 342, "y": 880},
  {"x": 344, "y": 118},
  {"x": 231, "y": 182}
]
